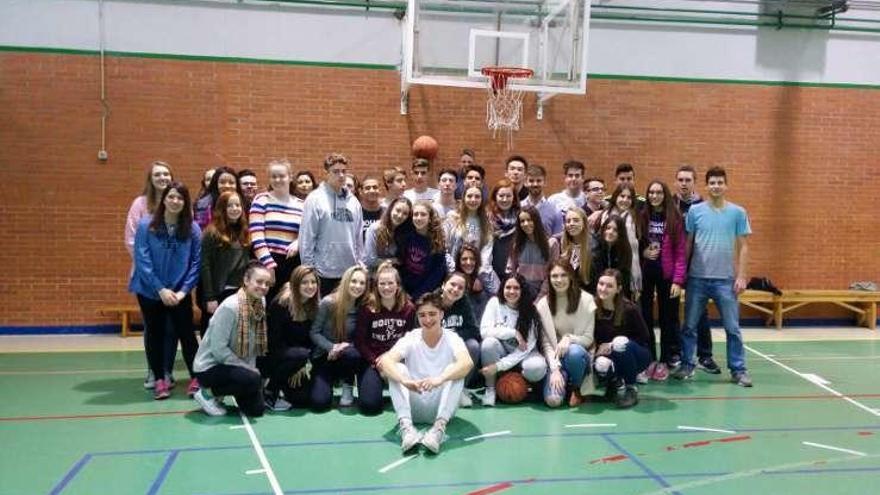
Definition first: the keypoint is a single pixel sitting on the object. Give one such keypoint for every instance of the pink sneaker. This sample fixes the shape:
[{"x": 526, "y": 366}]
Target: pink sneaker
[
  {"x": 661, "y": 372},
  {"x": 161, "y": 391},
  {"x": 193, "y": 387},
  {"x": 649, "y": 372}
]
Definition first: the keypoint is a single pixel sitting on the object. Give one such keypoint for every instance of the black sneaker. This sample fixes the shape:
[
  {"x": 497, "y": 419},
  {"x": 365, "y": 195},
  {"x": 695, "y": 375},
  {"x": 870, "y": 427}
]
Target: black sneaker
[
  {"x": 614, "y": 390},
  {"x": 709, "y": 365},
  {"x": 683, "y": 372},
  {"x": 628, "y": 398}
]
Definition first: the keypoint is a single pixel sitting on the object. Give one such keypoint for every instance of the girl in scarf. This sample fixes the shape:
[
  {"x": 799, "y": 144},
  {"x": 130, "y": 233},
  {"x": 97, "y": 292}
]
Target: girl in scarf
[
  {"x": 226, "y": 360},
  {"x": 504, "y": 214}
]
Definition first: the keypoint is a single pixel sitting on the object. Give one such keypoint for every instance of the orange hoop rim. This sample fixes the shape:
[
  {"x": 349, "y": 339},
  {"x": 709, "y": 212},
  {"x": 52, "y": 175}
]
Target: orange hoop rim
[{"x": 500, "y": 74}]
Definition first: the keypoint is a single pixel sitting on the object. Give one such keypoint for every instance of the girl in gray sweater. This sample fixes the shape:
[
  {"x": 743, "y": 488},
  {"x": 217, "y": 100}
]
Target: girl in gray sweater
[{"x": 225, "y": 363}]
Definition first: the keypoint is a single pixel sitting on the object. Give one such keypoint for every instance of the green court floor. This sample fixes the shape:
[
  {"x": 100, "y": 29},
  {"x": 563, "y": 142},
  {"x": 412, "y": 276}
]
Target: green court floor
[{"x": 80, "y": 423}]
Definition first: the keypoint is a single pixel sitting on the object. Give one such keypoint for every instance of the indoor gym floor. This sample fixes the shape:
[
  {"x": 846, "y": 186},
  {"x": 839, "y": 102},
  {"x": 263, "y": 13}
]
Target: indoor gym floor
[{"x": 75, "y": 420}]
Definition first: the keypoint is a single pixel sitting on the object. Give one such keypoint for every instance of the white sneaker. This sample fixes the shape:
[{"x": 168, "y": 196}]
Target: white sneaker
[
  {"x": 465, "y": 399},
  {"x": 489, "y": 397},
  {"x": 210, "y": 405},
  {"x": 278, "y": 403},
  {"x": 409, "y": 436},
  {"x": 347, "y": 398},
  {"x": 150, "y": 380},
  {"x": 433, "y": 439},
  {"x": 642, "y": 378}
]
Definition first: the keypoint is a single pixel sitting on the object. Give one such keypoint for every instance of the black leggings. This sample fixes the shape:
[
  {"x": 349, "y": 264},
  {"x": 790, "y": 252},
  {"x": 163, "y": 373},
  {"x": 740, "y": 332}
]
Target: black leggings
[
  {"x": 158, "y": 318},
  {"x": 667, "y": 310},
  {"x": 345, "y": 367},
  {"x": 243, "y": 384},
  {"x": 370, "y": 388},
  {"x": 283, "y": 364}
]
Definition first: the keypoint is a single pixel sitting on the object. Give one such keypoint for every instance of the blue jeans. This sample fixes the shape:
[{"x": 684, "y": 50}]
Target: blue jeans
[
  {"x": 576, "y": 363},
  {"x": 699, "y": 291},
  {"x": 575, "y": 366}
]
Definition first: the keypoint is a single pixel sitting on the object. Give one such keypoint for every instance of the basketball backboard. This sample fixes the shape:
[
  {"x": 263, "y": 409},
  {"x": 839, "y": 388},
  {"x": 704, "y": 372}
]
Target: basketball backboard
[{"x": 448, "y": 42}]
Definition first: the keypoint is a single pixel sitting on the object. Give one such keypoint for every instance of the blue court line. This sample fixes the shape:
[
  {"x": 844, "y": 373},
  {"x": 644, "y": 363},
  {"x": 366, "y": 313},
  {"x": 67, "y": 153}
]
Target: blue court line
[
  {"x": 638, "y": 462},
  {"x": 825, "y": 471},
  {"x": 318, "y": 443},
  {"x": 77, "y": 467},
  {"x": 573, "y": 479},
  {"x": 74, "y": 471},
  {"x": 163, "y": 473},
  {"x": 481, "y": 483}
]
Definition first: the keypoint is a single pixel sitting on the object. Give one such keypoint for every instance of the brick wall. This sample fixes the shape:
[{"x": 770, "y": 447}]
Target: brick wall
[{"x": 801, "y": 160}]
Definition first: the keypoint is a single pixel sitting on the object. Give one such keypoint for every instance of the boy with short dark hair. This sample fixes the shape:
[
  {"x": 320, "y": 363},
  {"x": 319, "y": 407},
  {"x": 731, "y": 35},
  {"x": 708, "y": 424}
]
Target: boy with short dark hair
[
  {"x": 425, "y": 371},
  {"x": 551, "y": 218},
  {"x": 718, "y": 233},
  {"x": 515, "y": 170},
  {"x": 420, "y": 190},
  {"x": 573, "y": 194}
]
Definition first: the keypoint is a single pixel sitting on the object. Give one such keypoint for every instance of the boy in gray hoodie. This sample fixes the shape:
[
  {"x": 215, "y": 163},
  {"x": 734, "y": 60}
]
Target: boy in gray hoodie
[{"x": 330, "y": 234}]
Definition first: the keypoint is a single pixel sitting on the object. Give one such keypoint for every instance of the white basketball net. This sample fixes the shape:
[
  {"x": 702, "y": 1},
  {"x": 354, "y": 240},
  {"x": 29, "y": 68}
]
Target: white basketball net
[{"x": 504, "y": 104}]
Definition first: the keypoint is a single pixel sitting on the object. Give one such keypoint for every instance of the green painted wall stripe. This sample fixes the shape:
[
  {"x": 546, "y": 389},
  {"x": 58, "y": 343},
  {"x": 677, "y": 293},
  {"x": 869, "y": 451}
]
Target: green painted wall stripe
[
  {"x": 622, "y": 77},
  {"x": 308, "y": 63},
  {"x": 198, "y": 58}
]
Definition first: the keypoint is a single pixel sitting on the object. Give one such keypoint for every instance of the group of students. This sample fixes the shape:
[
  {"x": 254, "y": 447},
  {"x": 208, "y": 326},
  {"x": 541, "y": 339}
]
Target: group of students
[{"x": 309, "y": 285}]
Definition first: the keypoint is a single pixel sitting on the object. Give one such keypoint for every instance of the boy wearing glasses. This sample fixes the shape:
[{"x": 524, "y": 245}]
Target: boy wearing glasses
[
  {"x": 332, "y": 224},
  {"x": 595, "y": 193}
]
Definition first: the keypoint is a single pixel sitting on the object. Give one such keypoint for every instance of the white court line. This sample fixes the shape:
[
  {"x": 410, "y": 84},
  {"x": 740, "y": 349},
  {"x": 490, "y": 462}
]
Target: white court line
[
  {"x": 397, "y": 463},
  {"x": 854, "y": 402},
  {"x": 700, "y": 428},
  {"x": 815, "y": 378},
  {"x": 828, "y": 358},
  {"x": 829, "y": 447},
  {"x": 488, "y": 435},
  {"x": 591, "y": 425},
  {"x": 273, "y": 481},
  {"x": 236, "y": 427},
  {"x": 255, "y": 471}
]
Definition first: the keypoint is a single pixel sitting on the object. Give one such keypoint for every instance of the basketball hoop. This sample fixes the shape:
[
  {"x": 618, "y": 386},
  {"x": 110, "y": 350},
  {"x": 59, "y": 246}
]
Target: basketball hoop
[{"x": 504, "y": 105}]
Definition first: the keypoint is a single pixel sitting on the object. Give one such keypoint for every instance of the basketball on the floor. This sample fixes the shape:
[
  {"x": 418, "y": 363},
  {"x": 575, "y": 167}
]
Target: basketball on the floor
[
  {"x": 511, "y": 388},
  {"x": 425, "y": 147}
]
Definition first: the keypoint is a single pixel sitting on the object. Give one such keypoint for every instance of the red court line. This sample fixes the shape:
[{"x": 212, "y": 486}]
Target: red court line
[
  {"x": 492, "y": 489},
  {"x": 704, "y": 443},
  {"x": 611, "y": 458},
  {"x": 93, "y": 416},
  {"x": 498, "y": 487}
]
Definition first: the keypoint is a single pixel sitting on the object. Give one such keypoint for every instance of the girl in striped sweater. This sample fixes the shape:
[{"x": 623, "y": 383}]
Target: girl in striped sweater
[{"x": 274, "y": 219}]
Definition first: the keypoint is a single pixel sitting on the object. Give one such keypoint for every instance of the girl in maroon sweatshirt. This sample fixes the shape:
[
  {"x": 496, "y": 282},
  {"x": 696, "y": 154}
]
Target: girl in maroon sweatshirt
[{"x": 386, "y": 316}]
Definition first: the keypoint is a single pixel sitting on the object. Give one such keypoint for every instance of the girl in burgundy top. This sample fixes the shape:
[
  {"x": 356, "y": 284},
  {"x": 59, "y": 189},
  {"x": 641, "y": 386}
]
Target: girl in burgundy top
[{"x": 385, "y": 317}]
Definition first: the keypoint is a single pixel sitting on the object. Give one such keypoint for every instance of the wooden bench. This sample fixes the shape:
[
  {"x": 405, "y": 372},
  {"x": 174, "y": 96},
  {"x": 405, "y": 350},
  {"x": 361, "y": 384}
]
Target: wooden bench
[
  {"x": 124, "y": 313},
  {"x": 862, "y": 303}
]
